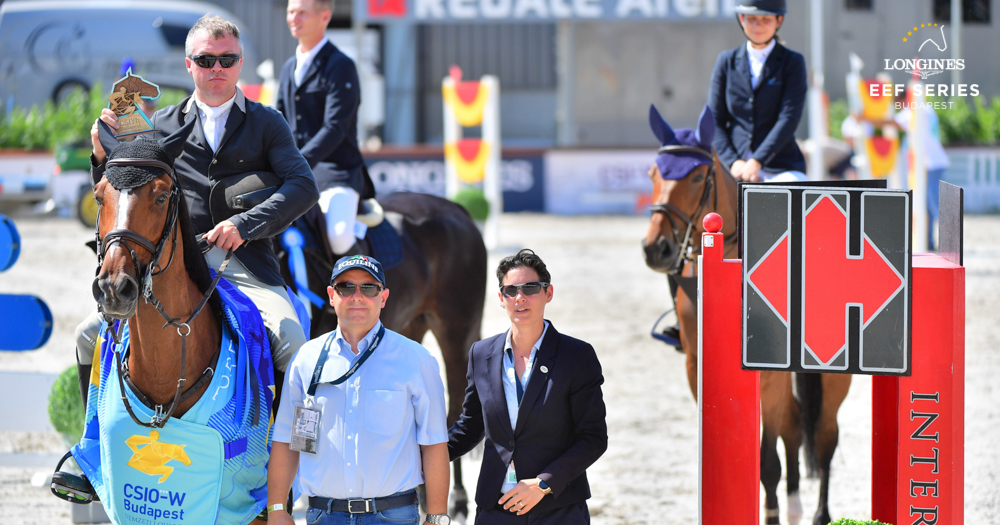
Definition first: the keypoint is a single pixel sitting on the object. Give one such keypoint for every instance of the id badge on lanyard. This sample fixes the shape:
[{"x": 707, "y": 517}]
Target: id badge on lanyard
[
  {"x": 511, "y": 473},
  {"x": 305, "y": 430},
  {"x": 306, "y": 420}
]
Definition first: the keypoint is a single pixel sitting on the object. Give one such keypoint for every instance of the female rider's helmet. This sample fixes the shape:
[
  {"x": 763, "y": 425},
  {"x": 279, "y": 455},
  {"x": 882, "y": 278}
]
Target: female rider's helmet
[{"x": 761, "y": 7}]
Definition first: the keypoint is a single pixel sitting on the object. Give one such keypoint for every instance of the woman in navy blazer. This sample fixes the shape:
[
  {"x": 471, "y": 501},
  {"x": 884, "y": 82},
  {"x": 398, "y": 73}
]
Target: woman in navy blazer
[
  {"x": 757, "y": 95},
  {"x": 535, "y": 395}
]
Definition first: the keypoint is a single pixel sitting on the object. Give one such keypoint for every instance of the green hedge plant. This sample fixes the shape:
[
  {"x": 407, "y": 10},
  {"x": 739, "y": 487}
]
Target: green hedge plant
[{"x": 65, "y": 406}]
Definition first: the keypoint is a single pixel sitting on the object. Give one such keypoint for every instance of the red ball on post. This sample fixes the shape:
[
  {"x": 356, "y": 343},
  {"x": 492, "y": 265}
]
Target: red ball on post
[{"x": 712, "y": 222}]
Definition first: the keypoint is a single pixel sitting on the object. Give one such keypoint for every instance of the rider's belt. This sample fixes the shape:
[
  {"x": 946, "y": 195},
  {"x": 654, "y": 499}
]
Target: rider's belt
[{"x": 363, "y": 506}]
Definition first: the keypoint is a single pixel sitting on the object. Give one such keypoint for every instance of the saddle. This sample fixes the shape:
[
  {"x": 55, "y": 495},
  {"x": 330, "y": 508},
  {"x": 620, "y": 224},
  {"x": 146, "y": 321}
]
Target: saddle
[{"x": 308, "y": 250}]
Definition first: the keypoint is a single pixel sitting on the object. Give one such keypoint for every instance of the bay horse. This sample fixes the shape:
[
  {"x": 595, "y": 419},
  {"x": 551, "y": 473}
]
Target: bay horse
[
  {"x": 440, "y": 286},
  {"x": 680, "y": 201},
  {"x": 170, "y": 365}
]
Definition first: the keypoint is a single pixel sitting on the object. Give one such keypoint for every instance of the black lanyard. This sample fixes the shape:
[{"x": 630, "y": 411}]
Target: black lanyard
[
  {"x": 321, "y": 362},
  {"x": 517, "y": 380}
]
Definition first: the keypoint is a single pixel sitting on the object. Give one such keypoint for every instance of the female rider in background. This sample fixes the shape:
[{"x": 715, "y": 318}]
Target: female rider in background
[{"x": 757, "y": 95}]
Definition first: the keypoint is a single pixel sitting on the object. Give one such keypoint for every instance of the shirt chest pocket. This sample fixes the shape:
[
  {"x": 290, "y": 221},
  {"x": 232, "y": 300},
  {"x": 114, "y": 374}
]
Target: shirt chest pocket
[{"x": 384, "y": 411}]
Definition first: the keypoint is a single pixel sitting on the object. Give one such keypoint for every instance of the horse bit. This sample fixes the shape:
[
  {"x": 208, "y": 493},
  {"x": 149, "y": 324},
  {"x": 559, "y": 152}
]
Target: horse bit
[
  {"x": 686, "y": 249},
  {"x": 123, "y": 236}
]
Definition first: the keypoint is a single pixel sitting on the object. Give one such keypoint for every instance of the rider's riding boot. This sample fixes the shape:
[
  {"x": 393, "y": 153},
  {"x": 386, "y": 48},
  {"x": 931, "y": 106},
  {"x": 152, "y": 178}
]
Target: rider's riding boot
[
  {"x": 674, "y": 332},
  {"x": 83, "y": 373}
]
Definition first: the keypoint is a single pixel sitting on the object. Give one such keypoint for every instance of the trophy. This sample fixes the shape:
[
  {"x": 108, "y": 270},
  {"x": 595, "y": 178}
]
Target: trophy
[{"x": 126, "y": 101}]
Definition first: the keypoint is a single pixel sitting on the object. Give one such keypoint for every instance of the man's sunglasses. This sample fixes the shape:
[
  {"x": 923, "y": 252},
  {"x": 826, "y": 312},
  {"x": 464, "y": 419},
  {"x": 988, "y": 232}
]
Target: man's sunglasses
[
  {"x": 207, "y": 61},
  {"x": 528, "y": 288},
  {"x": 345, "y": 289}
]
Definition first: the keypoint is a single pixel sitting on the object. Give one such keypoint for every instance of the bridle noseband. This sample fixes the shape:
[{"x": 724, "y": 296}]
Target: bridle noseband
[
  {"x": 125, "y": 237},
  {"x": 686, "y": 248}
]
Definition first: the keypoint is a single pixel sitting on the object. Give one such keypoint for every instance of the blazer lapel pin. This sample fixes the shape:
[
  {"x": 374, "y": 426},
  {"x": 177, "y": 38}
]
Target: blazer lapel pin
[{"x": 544, "y": 369}]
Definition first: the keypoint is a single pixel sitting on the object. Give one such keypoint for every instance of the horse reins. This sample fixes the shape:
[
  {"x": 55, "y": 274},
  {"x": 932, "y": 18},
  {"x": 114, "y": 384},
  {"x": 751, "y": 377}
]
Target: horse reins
[
  {"x": 670, "y": 211},
  {"x": 123, "y": 236}
]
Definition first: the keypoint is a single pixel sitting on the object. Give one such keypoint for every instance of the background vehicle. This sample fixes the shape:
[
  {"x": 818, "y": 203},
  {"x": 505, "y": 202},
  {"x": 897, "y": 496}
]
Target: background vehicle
[{"x": 47, "y": 48}]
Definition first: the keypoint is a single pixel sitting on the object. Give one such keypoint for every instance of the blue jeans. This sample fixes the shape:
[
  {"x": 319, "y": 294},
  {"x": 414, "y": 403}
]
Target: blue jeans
[{"x": 405, "y": 515}]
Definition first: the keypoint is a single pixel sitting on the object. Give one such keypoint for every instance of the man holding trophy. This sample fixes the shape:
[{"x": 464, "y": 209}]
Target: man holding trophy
[{"x": 234, "y": 137}]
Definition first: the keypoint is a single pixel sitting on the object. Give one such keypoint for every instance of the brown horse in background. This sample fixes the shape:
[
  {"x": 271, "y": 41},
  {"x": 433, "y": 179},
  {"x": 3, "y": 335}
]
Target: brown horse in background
[{"x": 672, "y": 245}]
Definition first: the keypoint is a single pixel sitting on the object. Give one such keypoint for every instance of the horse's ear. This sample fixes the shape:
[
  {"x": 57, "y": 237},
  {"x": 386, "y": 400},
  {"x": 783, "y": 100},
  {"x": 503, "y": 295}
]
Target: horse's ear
[
  {"x": 173, "y": 144},
  {"x": 660, "y": 127},
  {"x": 107, "y": 138},
  {"x": 706, "y": 128}
]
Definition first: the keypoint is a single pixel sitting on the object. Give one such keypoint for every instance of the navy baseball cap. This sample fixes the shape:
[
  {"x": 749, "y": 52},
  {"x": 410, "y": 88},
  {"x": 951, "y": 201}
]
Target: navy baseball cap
[{"x": 359, "y": 262}]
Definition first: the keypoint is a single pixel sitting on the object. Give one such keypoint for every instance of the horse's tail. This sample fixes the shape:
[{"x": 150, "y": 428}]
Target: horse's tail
[{"x": 809, "y": 387}]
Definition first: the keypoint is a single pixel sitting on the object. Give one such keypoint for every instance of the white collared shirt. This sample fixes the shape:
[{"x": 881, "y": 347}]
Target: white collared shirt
[
  {"x": 510, "y": 389},
  {"x": 213, "y": 120},
  {"x": 757, "y": 58},
  {"x": 373, "y": 424},
  {"x": 302, "y": 60}
]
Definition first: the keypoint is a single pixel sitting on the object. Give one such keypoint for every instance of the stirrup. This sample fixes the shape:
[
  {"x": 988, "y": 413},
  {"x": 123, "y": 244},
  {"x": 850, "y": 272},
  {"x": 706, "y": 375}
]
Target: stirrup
[
  {"x": 670, "y": 334},
  {"x": 72, "y": 487}
]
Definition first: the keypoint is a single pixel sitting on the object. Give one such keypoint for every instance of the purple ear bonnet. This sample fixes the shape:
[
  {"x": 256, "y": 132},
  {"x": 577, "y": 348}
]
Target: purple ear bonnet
[{"x": 675, "y": 166}]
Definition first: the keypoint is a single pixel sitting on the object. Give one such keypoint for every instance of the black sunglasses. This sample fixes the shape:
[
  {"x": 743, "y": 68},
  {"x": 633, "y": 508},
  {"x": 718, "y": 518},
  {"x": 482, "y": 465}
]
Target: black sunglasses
[
  {"x": 207, "y": 61},
  {"x": 528, "y": 288},
  {"x": 345, "y": 289}
]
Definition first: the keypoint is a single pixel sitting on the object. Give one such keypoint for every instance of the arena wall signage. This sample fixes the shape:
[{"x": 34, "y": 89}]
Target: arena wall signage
[
  {"x": 423, "y": 171},
  {"x": 930, "y": 56},
  {"x": 826, "y": 279},
  {"x": 542, "y": 10}
]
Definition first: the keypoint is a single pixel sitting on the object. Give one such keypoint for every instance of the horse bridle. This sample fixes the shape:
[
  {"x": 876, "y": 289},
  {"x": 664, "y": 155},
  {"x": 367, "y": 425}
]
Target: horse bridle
[
  {"x": 686, "y": 249},
  {"x": 125, "y": 237}
]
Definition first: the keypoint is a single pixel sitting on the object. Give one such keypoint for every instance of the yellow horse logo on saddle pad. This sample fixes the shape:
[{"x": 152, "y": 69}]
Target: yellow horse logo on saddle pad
[{"x": 150, "y": 456}]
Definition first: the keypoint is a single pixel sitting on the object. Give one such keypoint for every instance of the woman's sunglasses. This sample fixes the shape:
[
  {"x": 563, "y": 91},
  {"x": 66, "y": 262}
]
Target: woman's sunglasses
[
  {"x": 367, "y": 289},
  {"x": 528, "y": 288},
  {"x": 207, "y": 61}
]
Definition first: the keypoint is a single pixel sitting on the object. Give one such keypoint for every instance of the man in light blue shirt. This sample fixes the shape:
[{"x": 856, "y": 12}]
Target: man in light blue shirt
[{"x": 362, "y": 416}]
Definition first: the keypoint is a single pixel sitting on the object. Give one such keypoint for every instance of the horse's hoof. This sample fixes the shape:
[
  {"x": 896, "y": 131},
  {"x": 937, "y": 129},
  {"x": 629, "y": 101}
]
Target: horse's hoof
[
  {"x": 794, "y": 508},
  {"x": 822, "y": 518},
  {"x": 772, "y": 517}
]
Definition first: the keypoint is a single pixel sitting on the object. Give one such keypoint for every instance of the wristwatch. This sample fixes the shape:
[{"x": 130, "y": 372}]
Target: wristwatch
[
  {"x": 544, "y": 486},
  {"x": 276, "y": 507},
  {"x": 439, "y": 519}
]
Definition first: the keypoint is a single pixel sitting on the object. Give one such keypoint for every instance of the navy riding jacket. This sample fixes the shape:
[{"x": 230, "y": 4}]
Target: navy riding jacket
[
  {"x": 560, "y": 430},
  {"x": 256, "y": 139},
  {"x": 323, "y": 114},
  {"x": 759, "y": 123}
]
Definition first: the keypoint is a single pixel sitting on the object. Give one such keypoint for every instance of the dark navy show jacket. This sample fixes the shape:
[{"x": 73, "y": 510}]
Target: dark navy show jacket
[
  {"x": 255, "y": 139},
  {"x": 759, "y": 123},
  {"x": 322, "y": 112},
  {"x": 561, "y": 428}
]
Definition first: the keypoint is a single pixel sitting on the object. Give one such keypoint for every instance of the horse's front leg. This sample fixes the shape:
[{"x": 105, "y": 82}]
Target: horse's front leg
[
  {"x": 835, "y": 388},
  {"x": 775, "y": 387}
]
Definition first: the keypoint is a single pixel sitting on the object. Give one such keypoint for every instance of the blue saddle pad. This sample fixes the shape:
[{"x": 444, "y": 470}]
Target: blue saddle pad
[{"x": 385, "y": 244}]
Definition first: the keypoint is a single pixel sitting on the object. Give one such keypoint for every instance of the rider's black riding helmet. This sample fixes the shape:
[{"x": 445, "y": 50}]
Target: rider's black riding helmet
[{"x": 761, "y": 7}]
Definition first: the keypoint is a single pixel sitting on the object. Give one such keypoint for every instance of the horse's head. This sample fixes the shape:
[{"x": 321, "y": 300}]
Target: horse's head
[
  {"x": 682, "y": 179},
  {"x": 139, "y": 201}
]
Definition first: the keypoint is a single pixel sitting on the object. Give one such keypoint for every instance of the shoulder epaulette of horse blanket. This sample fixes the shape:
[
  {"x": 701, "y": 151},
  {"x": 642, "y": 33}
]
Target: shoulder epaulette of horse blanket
[{"x": 208, "y": 466}]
